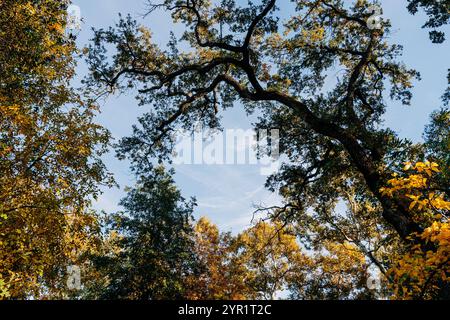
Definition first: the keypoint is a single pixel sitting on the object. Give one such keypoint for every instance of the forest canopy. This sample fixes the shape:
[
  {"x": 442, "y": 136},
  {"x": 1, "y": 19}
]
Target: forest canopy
[{"x": 359, "y": 202}]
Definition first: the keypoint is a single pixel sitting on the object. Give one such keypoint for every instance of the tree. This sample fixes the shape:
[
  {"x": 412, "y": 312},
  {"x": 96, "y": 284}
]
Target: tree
[
  {"x": 270, "y": 254},
  {"x": 266, "y": 259},
  {"x": 152, "y": 243},
  {"x": 422, "y": 273},
  {"x": 438, "y": 12},
  {"x": 222, "y": 277},
  {"x": 437, "y": 142},
  {"x": 331, "y": 134},
  {"x": 50, "y": 148},
  {"x": 254, "y": 264},
  {"x": 338, "y": 272},
  {"x": 187, "y": 88}
]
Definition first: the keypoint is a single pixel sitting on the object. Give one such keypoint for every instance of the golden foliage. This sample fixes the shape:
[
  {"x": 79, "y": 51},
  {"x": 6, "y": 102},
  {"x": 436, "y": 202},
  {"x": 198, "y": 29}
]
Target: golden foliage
[
  {"x": 49, "y": 150},
  {"x": 425, "y": 267}
]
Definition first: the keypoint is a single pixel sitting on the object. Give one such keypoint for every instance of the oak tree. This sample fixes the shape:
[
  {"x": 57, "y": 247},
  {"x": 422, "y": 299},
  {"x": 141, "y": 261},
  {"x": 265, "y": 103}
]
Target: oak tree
[{"x": 285, "y": 70}]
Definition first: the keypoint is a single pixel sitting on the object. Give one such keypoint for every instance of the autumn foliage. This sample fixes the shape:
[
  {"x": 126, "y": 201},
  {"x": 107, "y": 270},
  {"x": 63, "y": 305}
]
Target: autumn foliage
[
  {"x": 425, "y": 266},
  {"x": 50, "y": 151},
  {"x": 360, "y": 205}
]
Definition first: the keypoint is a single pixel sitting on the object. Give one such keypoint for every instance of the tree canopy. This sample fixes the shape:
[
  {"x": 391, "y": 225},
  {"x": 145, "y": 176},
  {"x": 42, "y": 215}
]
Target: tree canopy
[
  {"x": 331, "y": 129},
  {"x": 358, "y": 201},
  {"x": 438, "y": 13},
  {"x": 50, "y": 148},
  {"x": 153, "y": 239}
]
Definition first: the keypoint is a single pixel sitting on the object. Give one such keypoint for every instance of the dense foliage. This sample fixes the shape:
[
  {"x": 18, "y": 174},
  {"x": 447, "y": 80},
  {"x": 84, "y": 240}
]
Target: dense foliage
[
  {"x": 359, "y": 202},
  {"x": 50, "y": 151},
  {"x": 153, "y": 242}
]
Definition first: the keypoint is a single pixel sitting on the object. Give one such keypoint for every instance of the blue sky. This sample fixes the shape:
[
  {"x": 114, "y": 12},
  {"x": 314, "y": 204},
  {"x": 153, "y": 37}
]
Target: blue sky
[{"x": 227, "y": 193}]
